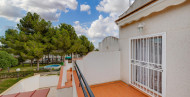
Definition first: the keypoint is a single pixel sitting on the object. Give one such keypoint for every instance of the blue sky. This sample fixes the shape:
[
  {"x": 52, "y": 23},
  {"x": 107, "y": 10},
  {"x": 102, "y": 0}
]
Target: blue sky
[{"x": 93, "y": 18}]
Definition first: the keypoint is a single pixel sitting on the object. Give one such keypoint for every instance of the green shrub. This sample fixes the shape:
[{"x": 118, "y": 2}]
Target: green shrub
[
  {"x": 7, "y": 60},
  {"x": 62, "y": 63},
  {"x": 21, "y": 74}
]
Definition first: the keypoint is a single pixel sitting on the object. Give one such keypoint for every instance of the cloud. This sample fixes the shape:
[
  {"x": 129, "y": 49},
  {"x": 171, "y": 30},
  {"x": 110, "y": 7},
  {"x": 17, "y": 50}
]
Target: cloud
[
  {"x": 114, "y": 7},
  {"x": 98, "y": 29},
  {"x": 80, "y": 29},
  {"x": 84, "y": 7},
  {"x": 48, "y": 9},
  {"x": 103, "y": 27},
  {"x": 9, "y": 11}
]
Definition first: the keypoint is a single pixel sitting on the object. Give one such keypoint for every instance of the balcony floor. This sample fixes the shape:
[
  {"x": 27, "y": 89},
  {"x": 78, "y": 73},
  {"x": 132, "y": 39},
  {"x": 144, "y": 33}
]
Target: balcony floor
[{"x": 115, "y": 89}]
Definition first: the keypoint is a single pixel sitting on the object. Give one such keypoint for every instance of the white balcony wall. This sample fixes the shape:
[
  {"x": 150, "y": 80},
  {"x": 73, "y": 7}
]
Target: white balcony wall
[
  {"x": 100, "y": 67},
  {"x": 48, "y": 81},
  {"x": 68, "y": 65},
  {"x": 32, "y": 83},
  {"x": 28, "y": 84}
]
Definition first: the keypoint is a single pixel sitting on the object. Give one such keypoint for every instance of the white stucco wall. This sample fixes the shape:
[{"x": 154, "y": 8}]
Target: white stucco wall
[
  {"x": 100, "y": 67},
  {"x": 32, "y": 83},
  {"x": 27, "y": 84},
  {"x": 65, "y": 68},
  {"x": 175, "y": 21},
  {"x": 68, "y": 65},
  {"x": 48, "y": 81},
  {"x": 65, "y": 92},
  {"x": 108, "y": 44}
]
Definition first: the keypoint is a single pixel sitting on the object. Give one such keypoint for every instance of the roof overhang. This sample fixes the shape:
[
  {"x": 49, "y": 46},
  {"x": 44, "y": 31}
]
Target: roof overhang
[
  {"x": 137, "y": 5},
  {"x": 145, "y": 10}
]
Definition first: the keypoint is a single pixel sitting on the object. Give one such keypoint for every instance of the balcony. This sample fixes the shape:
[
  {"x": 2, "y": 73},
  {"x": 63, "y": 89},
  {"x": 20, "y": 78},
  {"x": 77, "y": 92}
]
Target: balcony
[
  {"x": 72, "y": 83},
  {"x": 109, "y": 89},
  {"x": 115, "y": 89}
]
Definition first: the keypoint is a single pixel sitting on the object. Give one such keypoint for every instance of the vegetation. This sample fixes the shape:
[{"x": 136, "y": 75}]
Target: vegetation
[
  {"x": 96, "y": 50},
  {"x": 21, "y": 74},
  {"x": 7, "y": 60},
  {"x": 26, "y": 67},
  {"x": 6, "y": 83},
  {"x": 36, "y": 37},
  {"x": 86, "y": 46}
]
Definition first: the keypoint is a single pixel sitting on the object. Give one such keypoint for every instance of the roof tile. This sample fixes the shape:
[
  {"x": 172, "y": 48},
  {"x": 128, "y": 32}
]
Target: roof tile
[{"x": 41, "y": 93}]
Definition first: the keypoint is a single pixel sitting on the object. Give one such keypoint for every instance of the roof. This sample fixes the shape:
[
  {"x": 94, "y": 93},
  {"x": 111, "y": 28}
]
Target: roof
[
  {"x": 40, "y": 93},
  {"x": 143, "y": 8},
  {"x": 35, "y": 93},
  {"x": 110, "y": 37},
  {"x": 26, "y": 94},
  {"x": 137, "y": 5}
]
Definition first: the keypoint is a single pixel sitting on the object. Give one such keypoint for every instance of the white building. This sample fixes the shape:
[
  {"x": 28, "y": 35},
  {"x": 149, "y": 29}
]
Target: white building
[
  {"x": 109, "y": 43},
  {"x": 1, "y": 44},
  {"x": 155, "y": 47}
]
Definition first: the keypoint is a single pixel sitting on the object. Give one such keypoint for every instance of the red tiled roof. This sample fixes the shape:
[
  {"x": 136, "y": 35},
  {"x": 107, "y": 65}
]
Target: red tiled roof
[
  {"x": 41, "y": 93},
  {"x": 26, "y": 94},
  {"x": 35, "y": 93}
]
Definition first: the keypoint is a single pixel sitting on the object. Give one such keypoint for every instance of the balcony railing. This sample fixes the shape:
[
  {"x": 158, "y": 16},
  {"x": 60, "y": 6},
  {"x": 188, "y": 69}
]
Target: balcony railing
[{"x": 83, "y": 83}]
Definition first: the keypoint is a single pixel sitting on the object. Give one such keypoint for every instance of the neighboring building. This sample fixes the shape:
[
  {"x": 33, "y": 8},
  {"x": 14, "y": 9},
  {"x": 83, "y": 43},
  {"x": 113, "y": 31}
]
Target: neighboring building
[
  {"x": 154, "y": 43},
  {"x": 52, "y": 59},
  {"x": 1, "y": 45},
  {"x": 109, "y": 43}
]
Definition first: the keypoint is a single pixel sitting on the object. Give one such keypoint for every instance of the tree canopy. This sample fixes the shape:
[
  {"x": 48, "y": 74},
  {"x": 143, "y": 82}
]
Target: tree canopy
[
  {"x": 7, "y": 60},
  {"x": 36, "y": 37}
]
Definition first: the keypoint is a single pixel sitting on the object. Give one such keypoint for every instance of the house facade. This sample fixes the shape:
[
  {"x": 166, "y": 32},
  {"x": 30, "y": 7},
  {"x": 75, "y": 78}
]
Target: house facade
[{"x": 155, "y": 46}]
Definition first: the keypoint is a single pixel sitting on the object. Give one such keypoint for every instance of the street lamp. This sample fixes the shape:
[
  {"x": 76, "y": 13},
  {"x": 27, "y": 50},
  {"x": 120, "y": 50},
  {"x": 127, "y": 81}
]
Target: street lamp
[{"x": 18, "y": 70}]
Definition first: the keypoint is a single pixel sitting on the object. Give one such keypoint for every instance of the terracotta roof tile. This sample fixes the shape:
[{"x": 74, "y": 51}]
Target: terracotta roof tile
[
  {"x": 41, "y": 93},
  {"x": 26, "y": 94},
  {"x": 36, "y": 93}
]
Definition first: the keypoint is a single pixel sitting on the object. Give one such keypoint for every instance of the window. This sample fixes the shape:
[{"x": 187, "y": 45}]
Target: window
[{"x": 147, "y": 64}]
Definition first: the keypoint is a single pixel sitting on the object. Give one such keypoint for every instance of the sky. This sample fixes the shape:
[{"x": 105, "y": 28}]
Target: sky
[{"x": 92, "y": 18}]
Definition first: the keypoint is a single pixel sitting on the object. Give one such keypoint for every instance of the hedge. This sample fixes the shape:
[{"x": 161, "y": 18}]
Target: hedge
[{"x": 21, "y": 74}]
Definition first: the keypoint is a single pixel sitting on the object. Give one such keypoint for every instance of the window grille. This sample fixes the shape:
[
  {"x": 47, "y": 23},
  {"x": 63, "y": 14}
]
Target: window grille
[{"x": 146, "y": 64}]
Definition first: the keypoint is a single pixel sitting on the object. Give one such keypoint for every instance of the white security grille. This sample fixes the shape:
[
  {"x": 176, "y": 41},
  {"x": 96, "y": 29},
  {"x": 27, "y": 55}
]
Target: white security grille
[{"x": 147, "y": 65}]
